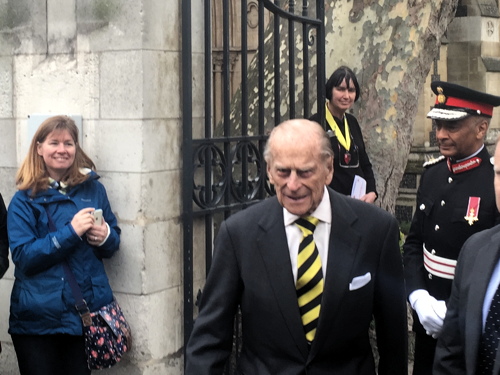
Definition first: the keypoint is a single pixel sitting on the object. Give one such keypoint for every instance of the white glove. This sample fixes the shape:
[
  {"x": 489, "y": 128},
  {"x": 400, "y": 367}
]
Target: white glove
[{"x": 430, "y": 311}]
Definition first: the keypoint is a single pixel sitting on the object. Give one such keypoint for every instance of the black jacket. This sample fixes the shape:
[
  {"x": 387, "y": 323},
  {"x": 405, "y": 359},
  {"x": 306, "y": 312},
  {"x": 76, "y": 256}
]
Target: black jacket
[
  {"x": 343, "y": 177},
  {"x": 458, "y": 345},
  {"x": 4, "y": 240},
  {"x": 251, "y": 269}
]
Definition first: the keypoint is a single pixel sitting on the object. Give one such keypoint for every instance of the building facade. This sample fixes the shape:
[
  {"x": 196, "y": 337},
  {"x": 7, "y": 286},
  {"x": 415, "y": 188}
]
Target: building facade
[{"x": 118, "y": 65}]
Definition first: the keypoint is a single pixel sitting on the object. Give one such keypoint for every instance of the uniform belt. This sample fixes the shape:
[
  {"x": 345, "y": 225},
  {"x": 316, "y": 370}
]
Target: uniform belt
[{"x": 439, "y": 266}]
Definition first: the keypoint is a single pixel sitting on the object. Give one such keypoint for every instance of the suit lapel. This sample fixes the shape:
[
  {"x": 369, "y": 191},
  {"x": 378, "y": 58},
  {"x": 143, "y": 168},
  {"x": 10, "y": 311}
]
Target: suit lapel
[
  {"x": 343, "y": 246},
  {"x": 273, "y": 246},
  {"x": 484, "y": 264}
]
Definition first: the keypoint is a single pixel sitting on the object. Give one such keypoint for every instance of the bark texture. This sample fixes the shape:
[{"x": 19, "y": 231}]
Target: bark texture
[{"x": 391, "y": 46}]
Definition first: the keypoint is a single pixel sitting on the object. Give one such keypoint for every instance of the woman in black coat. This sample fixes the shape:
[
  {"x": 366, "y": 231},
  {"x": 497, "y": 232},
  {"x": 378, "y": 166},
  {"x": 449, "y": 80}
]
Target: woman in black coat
[{"x": 351, "y": 159}]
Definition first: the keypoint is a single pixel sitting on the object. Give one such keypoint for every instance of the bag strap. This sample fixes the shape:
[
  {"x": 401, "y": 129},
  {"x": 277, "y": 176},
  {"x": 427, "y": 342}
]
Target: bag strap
[{"x": 80, "y": 303}]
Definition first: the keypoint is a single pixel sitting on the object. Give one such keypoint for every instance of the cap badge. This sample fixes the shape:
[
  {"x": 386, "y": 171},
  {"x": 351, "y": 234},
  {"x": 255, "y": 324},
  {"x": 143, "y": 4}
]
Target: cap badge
[{"x": 441, "y": 98}]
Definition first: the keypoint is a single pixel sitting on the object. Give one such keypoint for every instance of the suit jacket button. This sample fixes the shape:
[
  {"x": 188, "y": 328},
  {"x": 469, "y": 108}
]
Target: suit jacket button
[
  {"x": 430, "y": 276},
  {"x": 443, "y": 203},
  {"x": 450, "y": 180},
  {"x": 422, "y": 207},
  {"x": 436, "y": 228}
]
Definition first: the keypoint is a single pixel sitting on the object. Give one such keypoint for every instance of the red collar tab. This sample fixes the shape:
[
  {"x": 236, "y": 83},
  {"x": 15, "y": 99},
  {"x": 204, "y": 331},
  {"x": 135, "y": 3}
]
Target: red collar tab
[
  {"x": 485, "y": 109},
  {"x": 465, "y": 165}
]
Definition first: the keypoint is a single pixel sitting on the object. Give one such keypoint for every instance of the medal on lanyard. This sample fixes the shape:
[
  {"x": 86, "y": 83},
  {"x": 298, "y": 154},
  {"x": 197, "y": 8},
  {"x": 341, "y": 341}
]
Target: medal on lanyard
[
  {"x": 344, "y": 141},
  {"x": 347, "y": 157}
]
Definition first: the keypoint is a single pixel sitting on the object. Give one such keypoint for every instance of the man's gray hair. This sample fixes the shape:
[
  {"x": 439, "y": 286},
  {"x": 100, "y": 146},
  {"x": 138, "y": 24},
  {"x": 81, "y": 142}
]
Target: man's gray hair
[{"x": 324, "y": 138}]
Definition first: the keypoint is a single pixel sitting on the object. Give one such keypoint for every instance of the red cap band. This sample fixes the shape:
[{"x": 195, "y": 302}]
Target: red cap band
[{"x": 485, "y": 109}]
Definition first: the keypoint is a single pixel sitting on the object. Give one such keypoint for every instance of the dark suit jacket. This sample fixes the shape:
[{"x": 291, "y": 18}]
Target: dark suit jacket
[
  {"x": 251, "y": 267},
  {"x": 458, "y": 345},
  {"x": 4, "y": 240}
]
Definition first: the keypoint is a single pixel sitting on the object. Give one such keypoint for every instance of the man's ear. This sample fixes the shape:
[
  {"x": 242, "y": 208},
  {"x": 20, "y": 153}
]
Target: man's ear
[
  {"x": 482, "y": 128},
  {"x": 269, "y": 174},
  {"x": 329, "y": 166}
]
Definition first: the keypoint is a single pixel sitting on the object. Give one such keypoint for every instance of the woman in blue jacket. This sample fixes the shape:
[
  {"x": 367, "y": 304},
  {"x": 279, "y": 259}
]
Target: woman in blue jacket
[{"x": 57, "y": 180}]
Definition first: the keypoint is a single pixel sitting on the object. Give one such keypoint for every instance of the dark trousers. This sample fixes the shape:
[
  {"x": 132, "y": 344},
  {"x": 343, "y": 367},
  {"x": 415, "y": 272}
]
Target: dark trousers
[
  {"x": 425, "y": 346},
  {"x": 50, "y": 354}
]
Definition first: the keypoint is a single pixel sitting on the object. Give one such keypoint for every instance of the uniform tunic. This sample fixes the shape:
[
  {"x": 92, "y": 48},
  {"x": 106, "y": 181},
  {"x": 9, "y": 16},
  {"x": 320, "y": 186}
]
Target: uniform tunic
[{"x": 439, "y": 221}]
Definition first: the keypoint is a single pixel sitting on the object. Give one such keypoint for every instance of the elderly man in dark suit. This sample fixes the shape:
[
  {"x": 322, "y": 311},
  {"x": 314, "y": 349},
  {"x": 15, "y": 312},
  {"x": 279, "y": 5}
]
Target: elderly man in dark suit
[
  {"x": 310, "y": 269},
  {"x": 468, "y": 343}
]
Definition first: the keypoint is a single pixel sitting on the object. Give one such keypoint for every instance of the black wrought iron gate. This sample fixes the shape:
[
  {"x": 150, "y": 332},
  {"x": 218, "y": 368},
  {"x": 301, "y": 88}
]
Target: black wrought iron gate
[{"x": 251, "y": 82}]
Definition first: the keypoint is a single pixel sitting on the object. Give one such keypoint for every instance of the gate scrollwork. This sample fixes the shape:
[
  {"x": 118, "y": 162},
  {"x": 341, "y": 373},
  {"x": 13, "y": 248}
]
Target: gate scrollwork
[
  {"x": 247, "y": 164},
  {"x": 211, "y": 177},
  {"x": 208, "y": 158}
]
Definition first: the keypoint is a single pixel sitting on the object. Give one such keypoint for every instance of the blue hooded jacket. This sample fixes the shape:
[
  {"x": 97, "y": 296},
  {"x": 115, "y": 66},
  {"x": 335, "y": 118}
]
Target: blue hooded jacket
[{"x": 41, "y": 300}]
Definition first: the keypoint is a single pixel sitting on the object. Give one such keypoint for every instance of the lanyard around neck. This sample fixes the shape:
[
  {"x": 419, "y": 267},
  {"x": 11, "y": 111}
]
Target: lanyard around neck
[{"x": 344, "y": 141}]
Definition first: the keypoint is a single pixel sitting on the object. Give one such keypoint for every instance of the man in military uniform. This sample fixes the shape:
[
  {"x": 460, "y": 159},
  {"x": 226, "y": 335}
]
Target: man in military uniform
[{"x": 455, "y": 199}]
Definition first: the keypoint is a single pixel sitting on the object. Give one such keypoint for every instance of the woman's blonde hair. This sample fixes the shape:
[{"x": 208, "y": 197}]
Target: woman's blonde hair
[{"x": 33, "y": 174}]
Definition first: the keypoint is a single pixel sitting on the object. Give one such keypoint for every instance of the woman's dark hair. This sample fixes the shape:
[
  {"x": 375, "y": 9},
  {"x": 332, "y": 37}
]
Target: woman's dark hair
[{"x": 336, "y": 79}]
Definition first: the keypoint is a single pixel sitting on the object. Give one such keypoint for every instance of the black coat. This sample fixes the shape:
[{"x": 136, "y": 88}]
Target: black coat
[
  {"x": 4, "y": 240},
  {"x": 458, "y": 344},
  {"x": 439, "y": 220},
  {"x": 251, "y": 268},
  {"x": 343, "y": 177}
]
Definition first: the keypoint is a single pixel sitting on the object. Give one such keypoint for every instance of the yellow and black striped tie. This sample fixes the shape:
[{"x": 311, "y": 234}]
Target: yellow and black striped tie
[{"x": 309, "y": 277}]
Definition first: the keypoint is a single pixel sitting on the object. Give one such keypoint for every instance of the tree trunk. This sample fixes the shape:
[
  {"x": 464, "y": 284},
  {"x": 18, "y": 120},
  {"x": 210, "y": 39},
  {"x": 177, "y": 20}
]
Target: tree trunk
[{"x": 390, "y": 45}]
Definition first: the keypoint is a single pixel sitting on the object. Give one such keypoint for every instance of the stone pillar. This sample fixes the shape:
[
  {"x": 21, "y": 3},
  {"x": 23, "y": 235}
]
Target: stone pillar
[
  {"x": 118, "y": 65},
  {"x": 474, "y": 49}
]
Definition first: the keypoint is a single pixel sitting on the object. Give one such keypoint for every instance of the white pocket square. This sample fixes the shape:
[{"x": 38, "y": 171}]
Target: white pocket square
[{"x": 360, "y": 281}]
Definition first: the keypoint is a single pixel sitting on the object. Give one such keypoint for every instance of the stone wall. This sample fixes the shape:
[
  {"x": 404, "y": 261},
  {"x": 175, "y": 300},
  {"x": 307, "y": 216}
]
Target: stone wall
[{"x": 117, "y": 64}]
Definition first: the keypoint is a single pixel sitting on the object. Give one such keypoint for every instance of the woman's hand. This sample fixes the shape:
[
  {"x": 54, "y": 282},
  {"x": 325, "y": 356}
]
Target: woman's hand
[
  {"x": 83, "y": 220},
  {"x": 97, "y": 233},
  {"x": 369, "y": 197}
]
